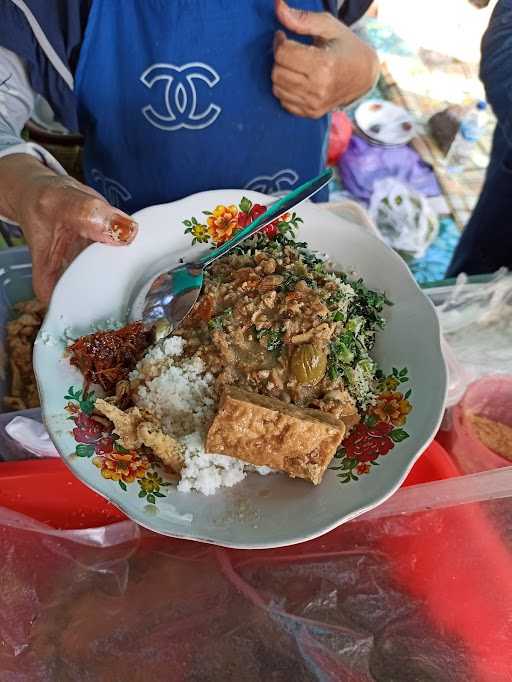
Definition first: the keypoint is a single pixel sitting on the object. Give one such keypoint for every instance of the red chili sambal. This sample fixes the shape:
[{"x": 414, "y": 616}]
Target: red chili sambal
[{"x": 105, "y": 358}]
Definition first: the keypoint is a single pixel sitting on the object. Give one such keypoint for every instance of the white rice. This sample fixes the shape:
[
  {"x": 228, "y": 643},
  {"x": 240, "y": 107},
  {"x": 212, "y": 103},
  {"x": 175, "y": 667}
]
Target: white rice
[
  {"x": 207, "y": 473},
  {"x": 182, "y": 398}
]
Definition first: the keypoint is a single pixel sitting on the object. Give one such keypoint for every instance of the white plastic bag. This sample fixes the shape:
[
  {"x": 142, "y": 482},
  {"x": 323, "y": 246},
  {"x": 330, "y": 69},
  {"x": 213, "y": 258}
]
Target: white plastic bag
[
  {"x": 404, "y": 217},
  {"x": 32, "y": 436}
]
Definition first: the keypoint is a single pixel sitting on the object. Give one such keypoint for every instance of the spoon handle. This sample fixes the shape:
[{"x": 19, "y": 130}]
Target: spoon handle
[{"x": 276, "y": 209}]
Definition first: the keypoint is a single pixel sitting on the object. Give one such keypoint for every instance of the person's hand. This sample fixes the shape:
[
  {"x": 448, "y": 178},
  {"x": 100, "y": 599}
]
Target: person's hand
[
  {"x": 59, "y": 217},
  {"x": 312, "y": 80}
]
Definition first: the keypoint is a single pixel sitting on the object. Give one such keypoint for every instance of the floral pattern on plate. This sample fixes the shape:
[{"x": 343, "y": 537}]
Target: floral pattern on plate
[{"x": 97, "y": 442}]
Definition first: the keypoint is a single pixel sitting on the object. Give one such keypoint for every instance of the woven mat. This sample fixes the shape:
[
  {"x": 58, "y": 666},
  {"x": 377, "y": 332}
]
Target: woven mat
[{"x": 418, "y": 83}]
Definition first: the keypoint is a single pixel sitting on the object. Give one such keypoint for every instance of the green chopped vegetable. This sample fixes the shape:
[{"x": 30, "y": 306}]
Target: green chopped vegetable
[
  {"x": 291, "y": 280},
  {"x": 219, "y": 320},
  {"x": 273, "y": 338},
  {"x": 355, "y": 325},
  {"x": 349, "y": 351}
]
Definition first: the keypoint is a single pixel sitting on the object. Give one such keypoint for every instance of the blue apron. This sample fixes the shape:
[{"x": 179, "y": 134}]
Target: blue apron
[{"x": 175, "y": 97}]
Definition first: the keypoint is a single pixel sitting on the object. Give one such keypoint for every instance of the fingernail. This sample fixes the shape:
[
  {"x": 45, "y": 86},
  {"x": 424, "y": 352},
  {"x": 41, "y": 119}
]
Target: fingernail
[{"x": 122, "y": 228}]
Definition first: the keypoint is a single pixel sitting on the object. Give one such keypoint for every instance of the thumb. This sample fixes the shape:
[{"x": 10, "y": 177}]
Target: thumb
[
  {"x": 98, "y": 221},
  {"x": 320, "y": 25}
]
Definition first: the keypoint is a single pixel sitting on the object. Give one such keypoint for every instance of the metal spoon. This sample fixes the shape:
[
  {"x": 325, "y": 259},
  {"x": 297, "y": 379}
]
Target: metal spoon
[{"x": 171, "y": 294}]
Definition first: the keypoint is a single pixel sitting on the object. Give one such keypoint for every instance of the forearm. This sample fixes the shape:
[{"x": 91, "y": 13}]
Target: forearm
[
  {"x": 17, "y": 172},
  {"x": 370, "y": 70},
  {"x": 20, "y": 161},
  {"x": 367, "y": 67}
]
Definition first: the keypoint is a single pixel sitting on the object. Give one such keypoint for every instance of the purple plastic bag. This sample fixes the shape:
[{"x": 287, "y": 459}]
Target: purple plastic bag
[{"x": 363, "y": 164}]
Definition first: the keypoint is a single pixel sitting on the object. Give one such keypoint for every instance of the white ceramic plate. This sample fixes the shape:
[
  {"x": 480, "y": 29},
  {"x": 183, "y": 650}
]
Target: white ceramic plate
[
  {"x": 260, "y": 512},
  {"x": 385, "y": 122}
]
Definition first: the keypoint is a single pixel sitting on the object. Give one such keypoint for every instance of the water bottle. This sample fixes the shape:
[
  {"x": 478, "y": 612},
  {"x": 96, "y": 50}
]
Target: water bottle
[{"x": 470, "y": 131}]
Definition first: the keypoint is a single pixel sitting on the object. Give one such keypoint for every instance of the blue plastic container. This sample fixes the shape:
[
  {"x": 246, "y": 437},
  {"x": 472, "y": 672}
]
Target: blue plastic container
[{"x": 15, "y": 286}]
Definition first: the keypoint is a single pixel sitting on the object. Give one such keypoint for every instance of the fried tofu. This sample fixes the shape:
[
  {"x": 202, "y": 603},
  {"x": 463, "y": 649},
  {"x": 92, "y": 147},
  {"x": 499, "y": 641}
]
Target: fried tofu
[{"x": 268, "y": 432}]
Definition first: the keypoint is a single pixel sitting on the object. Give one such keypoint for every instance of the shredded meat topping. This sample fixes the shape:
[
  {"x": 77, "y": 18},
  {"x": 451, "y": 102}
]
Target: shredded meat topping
[{"x": 263, "y": 323}]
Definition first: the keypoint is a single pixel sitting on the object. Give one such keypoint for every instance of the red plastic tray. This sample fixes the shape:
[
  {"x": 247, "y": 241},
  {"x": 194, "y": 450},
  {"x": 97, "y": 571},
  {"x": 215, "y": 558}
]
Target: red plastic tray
[
  {"x": 459, "y": 595},
  {"x": 47, "y": 491}
]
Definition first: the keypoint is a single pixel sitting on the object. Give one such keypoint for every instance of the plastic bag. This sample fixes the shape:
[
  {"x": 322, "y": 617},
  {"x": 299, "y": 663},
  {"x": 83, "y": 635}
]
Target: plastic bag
[
  {"x": 339, "y": 136},
  {"x": 404, "y": 218},
  {"x": 371, "y": 601},
  {"x": 364, "y": 164},
  {"x": 32, "y": 436},
  {"x": 476, "y": 320}
]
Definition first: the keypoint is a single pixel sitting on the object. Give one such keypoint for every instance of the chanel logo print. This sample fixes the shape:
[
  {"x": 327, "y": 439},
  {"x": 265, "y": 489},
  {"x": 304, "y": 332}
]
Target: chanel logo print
[
  {"x": 112, "y": 190},
  {"x": 278, "y": 183},
  {"x": 179, "y": 96}
]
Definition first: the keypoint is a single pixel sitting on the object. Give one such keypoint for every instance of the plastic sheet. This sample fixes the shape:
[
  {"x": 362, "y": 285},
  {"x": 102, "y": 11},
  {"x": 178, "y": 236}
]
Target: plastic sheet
[
  {"x": 417, "y": 590},
  {"x": 477, "y": 326}
]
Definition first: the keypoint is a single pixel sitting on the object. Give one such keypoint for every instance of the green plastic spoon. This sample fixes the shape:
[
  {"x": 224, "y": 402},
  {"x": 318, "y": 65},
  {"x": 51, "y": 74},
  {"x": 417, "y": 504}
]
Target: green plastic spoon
[{"x": 171, "y": 294}]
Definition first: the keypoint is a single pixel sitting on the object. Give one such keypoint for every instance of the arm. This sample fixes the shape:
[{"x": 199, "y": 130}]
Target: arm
[
  {"x": 20, "y": 162},
  {"x": 312, "y": 80},
  {"x": 57, "y": 214},
  {"x": 16, "y": 103}
]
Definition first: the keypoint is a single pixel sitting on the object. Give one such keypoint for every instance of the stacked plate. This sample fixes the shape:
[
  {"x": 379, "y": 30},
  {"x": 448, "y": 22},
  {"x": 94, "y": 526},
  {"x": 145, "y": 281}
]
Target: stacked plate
[{"x": 384, "y": 124}]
